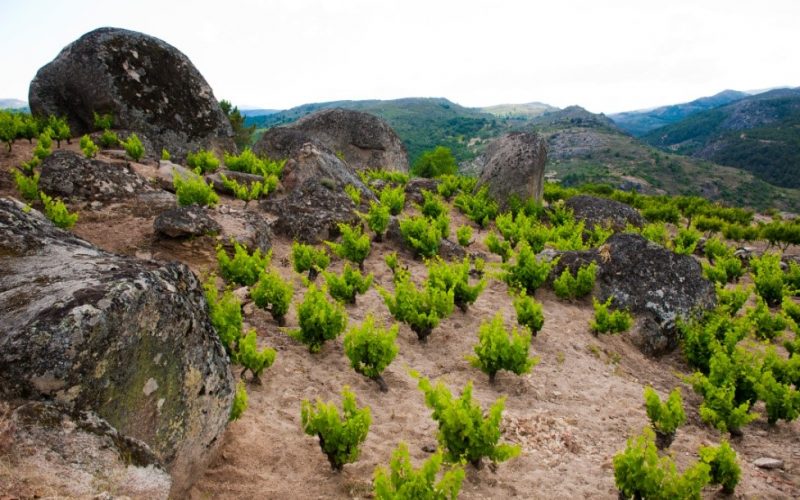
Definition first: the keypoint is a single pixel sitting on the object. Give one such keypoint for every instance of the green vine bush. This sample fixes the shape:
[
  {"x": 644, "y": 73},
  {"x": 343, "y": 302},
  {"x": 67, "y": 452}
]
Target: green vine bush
[
  {"x": 371, "y": 349},
  {"x": 529, "y": 312},
  {"x": 355, "y": 245},
  {"x": 193, "y": 190},
  {"x": 421, "y": 310},
  {"x": 273, "y": 293},
  {"x": 346, "y": 286},
  {"x": 571, "y": 287},
  {"x": 498, "y": 349},
  {"x": 403, "y": 482},
  {"x": 205, "y": 161},
  {"x": 606, "y": 321},
  {"x": 455, "y": 276},
  {"x": 306, "y": 258},
  {"x": 245, "y": 267},
  {"x": 319, "y": 320},
  {"x": 665, "y": 417}
]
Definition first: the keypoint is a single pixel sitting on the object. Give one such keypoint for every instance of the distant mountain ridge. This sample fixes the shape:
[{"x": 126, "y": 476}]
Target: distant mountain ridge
[
  {"x": 13, "y": 104},
  {"x": 640, "y": 122}
]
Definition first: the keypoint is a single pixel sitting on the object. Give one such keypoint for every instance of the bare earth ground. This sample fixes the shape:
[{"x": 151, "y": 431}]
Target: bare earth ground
[{"x": 570, "y": 415}]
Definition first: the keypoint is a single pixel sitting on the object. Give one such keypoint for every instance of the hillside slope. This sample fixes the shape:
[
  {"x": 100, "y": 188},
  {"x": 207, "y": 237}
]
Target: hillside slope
[{"x": 760, "y": 134}]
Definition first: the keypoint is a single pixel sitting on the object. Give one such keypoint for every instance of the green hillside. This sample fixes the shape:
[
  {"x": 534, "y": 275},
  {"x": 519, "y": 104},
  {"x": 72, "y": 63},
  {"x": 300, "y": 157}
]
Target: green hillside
[{"x": 760, "y": 134}]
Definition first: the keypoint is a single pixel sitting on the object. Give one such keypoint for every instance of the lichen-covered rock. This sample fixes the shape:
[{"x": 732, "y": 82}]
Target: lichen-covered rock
[
  {"x": 247, "y": 228},
  {"x": 415, "y": 186},
  {"x": 127, "y": 339},
  {"x": 604, "y": 212},
  {"x": 149, "y": 86},
  {"x": 363, "y": 140},
  {"x": 183, "y": 222},
  {"x": 68, "y": 174},
  {"x": 78, "y": 454},
  {"x": 513, "y": 165},
  {"x": 313, "y": 201}
]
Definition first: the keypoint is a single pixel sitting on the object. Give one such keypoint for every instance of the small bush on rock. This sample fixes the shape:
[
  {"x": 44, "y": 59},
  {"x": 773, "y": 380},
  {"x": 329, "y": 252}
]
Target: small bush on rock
[
  {"x": 205, "y": 161},
  {"x": 109, "y": 139},
  {"x": 134, "y": 147},
  {"x": 88, "y": 147},
  {"x": 394, "y": 198},
  {"x": 193, "y": 190},
  {"x": 57, "y": 212},
  {"x": 28, "y": 186},
  {"x": 249, "y": 163}
]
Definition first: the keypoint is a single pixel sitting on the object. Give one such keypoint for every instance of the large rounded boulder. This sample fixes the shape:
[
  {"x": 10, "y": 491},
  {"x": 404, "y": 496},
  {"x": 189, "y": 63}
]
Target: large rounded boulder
[
  {"x": 363, "y": 140},
  {"x": 604, "y": 212},
  {"x": 127, "y": 339},
  {"x": 513, "y": 166},
  {"x": 149, "y": 86}
]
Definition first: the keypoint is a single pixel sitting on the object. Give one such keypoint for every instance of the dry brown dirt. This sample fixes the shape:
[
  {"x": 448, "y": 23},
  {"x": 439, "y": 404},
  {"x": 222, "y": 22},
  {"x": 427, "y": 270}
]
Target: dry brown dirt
[{"x": 570, "y": 415}]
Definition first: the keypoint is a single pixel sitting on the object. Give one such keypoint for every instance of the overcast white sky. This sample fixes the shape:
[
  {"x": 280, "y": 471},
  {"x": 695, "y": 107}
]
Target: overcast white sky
[{"x": 608, "y": 56}]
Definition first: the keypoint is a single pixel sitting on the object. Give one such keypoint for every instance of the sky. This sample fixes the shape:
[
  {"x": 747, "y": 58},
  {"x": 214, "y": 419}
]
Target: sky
[{"x": 605, "y": 55}]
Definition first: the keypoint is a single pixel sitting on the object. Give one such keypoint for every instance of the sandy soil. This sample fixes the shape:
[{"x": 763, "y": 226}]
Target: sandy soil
[{"x": 570, "y": 415}]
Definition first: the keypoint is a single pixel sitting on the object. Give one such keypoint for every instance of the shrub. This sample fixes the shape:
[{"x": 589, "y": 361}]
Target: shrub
[
  {"x": 225, "y": 314},
  {"x": 455, "y": 277},
  {"x": 165, "y": 154},
  {"x": 9, "y": 126},
  {"x": 739, "y": 232},
  {"x": 345, "y": 287},
  {"x": 782, "y": 400},
  {"x": 480, "y": 208},
  {"x": 527, "y": 272},
  {"x": 319, "y": 320},
  {"x": 394, "y": 198},
  {"x": 340, "y": 435},
  {"x": 134, "y": 147},
  {"x": 714, "y": 274},
  {"x": 306, "y": 258},
  {"x": 497, "y": 349},
  {"x": 640, "y": 473},
  {"x": 768, "y": 278},
  {"x": 421, "y": 234},
  {"x": 464, "y": 235},
  {"x": 272, "y": 293},
  {"x": 421, "y": 310},
  {"x": 353, "y": 193},
  {"x": 43, "y": 145},
  {"x": 665, "y": 417},
  {"x": 781, "y": 233},
  {"x": 109, "y": 139},
  {"x": 791, "y": 278},
  {"x": 686, "y": 241},
  {"x": 406, "y": 483},
  {"x": 452, "y": 184},
  {"x": 662, "y": 213},
  {"x": 249, "y": 163},
  {"x": 434, "y": 163},
  {"x": 724, "y": 469},
  {"x": 388, "y": 176},
  {"x": 791, "y": 309},
  {"x": 432, "y": 206},
  {"x": 730, "y": 301},
  {"x": 59, "y": 129},
  {"x": 252, "y": 191},
  {"x": 371, "y": 349},
  {"x": 27, "y": 167},
  {"x": 252, "y": 359},
  {"x": 88, "y": 147},
  {"x": 571, "y": 287},
  {"x": 56, "y": 211},
  {"x": 766, "y": 325},
  {"x": 606, "y": 321},
  {"x": 708, "y": 224},
  {"x": 377, "y": 219},
  {"x": 244, "y": 268},
  {"x": 715, "y": 248},
  {"x": 355, "y": 244},
  {"x": 104, "y": 121},
  {"x": 239, "y": 402},
  {"x": 529, "y": 312},
  {"x": 464, "y": 431},
  {"x": 203, "y": 160},
  {"x": 193, "y": 190},
  {"x": 495, "y": 245},
  {"x": 28, "y": 186}
]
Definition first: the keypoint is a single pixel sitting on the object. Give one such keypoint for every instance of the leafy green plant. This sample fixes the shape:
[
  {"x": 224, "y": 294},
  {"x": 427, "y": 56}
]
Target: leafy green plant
[
  {"x": 377, "y": 219},
  {"x": 43, "y": 145},
  {"x": 527, "y": 272},
  {"x": 421, "y": 234},
  {"x": 245, "y": 267},
  {"x": 88, "y": 146},
  {"x": 449, "y": 185},
  {"x": 606, "y": 321},
  {"x": 239, "y": 402},
  {"x": 768, "y": 278},
  {"x": 479, "y": 207},
  {"x": 389, "y": 176},
  {"x": 371, "y": 349},
  {"x": 203, "y": 160},
  {"x": 28, "y": 167},
  {"x": 319, "y": 319},
  {"x": 791, "y": 278},
  {"x": 464, "y": 432},
  {"x": 464, "y": 235},
  {"x": 252, "y": 191},
  {"x": 640, "y": 473},
  {"x": 9, "y": 126},
  {"x": 724, "y": 469},
  {"x": 730, "y": 301},
  {"x": 109, "y": 139},
  {"x": 254, "y": 360},
  {"x": 497, "y": 349},
  {"x": 346, "y": 286},
  {"x": 662, "y": 213},
  {"x": 686, "y": 241},
  {"x": 249, "y": 163},
  {"x": 498, "y": 246},
  {"x": 225, "y": 314},
  {"x": 272, "y": 293},
  {"x": 421, "y": 310},
  {"x": 306, "y": 258},
  {"x": 394, "y": 198},
  {"x": 355, "y": 245},
  {"x": 192, "y": 189},
  {"x": 406, "y": 483},
  {"x": 782, "y": 400},
  {"x": 529, "y": 312},
  {"x": 766, "y": 325},
  {"x": 455, "y": 277},
  {"x": 791, "y": 309},
  {"x": 439, "y": 161},
  {"x": 340, "y": 434},
  {"x": 57, "y": 212},
  {"x": 353, "y": 193},
  {"x": 665, "y": 417},
  {"x": 571, "y": 287},
  {"x": 432, "y": 206},
  {"x": 740, "y": 232},
  {"x": 134, "y": 147},
  {"x": 104, "y": 121},
  {"x": 28, "y": 186},
  {"x": 59, "y": 129},
  {"x": 165, "y": 156}
]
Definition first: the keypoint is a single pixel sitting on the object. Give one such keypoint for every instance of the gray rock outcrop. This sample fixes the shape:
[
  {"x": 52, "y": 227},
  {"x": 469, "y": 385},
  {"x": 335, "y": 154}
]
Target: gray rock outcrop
[
  {"x": 126, "y": 339},
  {"x": 68, "y": 174},
  {"x": 183, "y": 222},
  {"x": 513, "y": 165},
  {"x": 149, "y": 86},
  {"x": 604, "y": 212},
  {"x": 363, "y": 140}
]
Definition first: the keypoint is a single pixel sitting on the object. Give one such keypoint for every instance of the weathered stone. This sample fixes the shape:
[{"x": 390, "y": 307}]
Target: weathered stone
[
  {"x": 313, "y": 201},
  {"x": 450, "y": 250},
  {"x": 68, "y": 174},
  {"x": 415, "y": 186},
  {"x": 183, "y": 222},
  {"x": 166, "y": 174},
  {"x": 604, "y": 212},
  {"x": 363, "y": 140},
  {"x": 127, "y": 339},
  {"x": 82, "y": 455},
  {"x": 246, "y": 228},
  {"x": 768, "y": 463},
  {"x": 149, "y": 86},
  {"x": 513, "y": 165}
]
